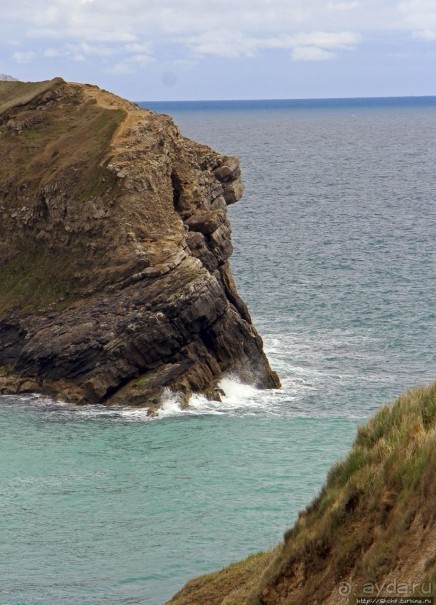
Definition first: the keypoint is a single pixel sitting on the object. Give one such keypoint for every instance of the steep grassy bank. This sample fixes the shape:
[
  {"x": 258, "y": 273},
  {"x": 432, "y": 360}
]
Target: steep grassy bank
[{"x": 370, "y": 531}]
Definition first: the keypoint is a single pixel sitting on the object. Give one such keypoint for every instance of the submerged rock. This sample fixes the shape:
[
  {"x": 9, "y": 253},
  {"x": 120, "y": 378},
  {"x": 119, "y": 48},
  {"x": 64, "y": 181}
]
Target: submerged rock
[{"x": 114, "y": 248}]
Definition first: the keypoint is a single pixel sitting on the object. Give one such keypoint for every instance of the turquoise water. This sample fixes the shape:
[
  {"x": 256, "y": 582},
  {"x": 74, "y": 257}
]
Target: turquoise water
[
  {"x": 334, "y": 253},
  {"x": 108, "y": 509}
]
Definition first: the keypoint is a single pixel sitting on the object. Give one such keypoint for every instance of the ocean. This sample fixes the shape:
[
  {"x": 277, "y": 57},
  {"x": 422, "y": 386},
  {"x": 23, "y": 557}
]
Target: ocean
[{"x": 335, "y": 256}]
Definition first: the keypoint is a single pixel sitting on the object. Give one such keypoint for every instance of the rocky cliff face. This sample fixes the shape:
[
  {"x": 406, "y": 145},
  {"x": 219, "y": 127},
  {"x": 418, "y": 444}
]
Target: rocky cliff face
[{"x": 114, "y": 248}]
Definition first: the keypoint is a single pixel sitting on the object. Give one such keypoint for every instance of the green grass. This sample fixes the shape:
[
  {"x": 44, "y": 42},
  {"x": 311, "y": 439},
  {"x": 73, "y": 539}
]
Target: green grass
[
  {"x": 20, "y": 93},
  {"x": 36, "y": 278},
  {"x": 65, "y": 152},
  {"x": 73, "y": 132},
  {"x": 141, "y": 380},
  {"x": 211, "y": 589}
]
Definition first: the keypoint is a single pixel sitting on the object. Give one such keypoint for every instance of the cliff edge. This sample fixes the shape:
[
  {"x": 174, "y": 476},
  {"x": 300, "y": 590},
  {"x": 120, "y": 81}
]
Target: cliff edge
[
  {"x": 371, "y": 532},
  {"x": 114, "y": 247}
]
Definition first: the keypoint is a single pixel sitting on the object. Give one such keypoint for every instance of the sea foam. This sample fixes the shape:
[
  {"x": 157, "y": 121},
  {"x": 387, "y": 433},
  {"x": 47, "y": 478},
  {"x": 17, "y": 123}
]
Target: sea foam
[{"x": 238, "y": 399}]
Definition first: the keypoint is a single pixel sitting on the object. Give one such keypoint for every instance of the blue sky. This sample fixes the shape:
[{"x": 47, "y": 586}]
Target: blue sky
[{"x": 225, "y": 49}]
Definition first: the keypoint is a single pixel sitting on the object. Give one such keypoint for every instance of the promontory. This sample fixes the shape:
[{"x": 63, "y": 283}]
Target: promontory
[{"x": 114, "y": 253}]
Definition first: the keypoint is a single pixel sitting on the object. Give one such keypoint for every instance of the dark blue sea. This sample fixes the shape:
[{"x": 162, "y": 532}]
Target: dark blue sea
[{"x": 335, "y": 255}]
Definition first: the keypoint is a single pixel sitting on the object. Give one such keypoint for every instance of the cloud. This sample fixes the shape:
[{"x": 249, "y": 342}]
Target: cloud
[
  {"x": 426, "y": 34},
  {"x": 140, "y": 59},
  {"x": 223, "y": 43},
  {"x": 87, "y": 33},
  {"x": 51, "y": 53},
  {"x": 131, "y": 34},
  {"x": 93, "y": 50},
  {"x": 131, "y": 63},
  {"x": 23, "y": 57},
  {"x": 342, "y": 6},
  {"x": 121, "y": 69},
  {"x": 333, "y": 40},
  {"x": 139, "y": 48},
  {"x": 137, "y": 21},
  {"x": 312, "y": 46},
  {"x": 311, "y": 53},
  {"x": 418, "y": 14},
  {"x": 130, "y": 54},
  {"x": 125, "y": 20}
]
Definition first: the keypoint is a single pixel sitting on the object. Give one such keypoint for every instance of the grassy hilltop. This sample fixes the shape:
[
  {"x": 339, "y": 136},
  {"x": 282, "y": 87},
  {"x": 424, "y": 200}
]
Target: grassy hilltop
[{"x": 372, "y": 527}]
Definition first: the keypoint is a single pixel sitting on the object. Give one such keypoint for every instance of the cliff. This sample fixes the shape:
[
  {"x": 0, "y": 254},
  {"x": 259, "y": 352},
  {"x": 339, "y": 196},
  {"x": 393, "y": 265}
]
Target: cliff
[
  {"x": 371, "y": 532},
  {"x": 114, "y": 247}
]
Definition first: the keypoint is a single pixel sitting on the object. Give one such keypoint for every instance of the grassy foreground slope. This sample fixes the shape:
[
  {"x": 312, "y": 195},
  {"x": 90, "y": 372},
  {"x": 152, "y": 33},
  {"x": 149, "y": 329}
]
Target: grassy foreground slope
[{"x": 370, "y": 532}]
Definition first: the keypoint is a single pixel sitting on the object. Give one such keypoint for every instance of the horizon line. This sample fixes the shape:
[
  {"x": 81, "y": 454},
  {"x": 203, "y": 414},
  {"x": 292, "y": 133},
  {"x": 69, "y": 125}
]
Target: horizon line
[{"x": 433, "y": 96}]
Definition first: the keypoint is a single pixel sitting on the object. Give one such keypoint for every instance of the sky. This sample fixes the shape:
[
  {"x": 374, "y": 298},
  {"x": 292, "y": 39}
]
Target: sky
[{"x": 151, "y": 50}]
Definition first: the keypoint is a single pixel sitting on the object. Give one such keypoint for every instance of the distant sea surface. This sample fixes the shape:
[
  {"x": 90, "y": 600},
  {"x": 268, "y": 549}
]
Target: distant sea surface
[{"x": 335, "y": 256}]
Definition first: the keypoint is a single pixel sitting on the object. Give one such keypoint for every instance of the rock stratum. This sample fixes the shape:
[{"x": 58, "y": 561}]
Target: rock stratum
[
  {"x": 370, "y": 533},
  {"x": 114, "y": 247}
]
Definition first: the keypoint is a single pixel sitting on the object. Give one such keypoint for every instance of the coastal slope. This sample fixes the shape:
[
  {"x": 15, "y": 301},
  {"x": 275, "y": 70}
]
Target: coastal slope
[
  {"x": 371, "y": 532},
  {"x": 114, "y": 244}
]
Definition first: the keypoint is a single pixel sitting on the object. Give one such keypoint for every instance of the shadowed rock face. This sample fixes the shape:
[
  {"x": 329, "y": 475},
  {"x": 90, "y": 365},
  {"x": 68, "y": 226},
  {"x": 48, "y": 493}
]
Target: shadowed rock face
[{"x": 114, "y": 248}]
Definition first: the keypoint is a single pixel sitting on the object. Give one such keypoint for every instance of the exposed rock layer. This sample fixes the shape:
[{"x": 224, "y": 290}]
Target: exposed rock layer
[{"x": 114, "y": 248}]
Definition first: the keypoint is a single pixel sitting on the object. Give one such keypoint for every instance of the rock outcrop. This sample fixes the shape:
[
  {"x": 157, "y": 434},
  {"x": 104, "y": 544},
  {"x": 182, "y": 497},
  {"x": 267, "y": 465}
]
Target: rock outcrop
[{"x": 114, "y": 247}]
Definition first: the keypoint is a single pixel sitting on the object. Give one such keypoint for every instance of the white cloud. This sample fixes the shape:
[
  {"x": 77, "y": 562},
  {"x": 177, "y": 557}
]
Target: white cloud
[
  {"x": 139, "y": 48},
  {"x": 121, "y": 69},
  {"x": 138, "y": 20},
  {"x": 224, "y": 43},
  {"x": 23, "y": 57},
  {"x": 139, "y": 54},
  {"x": 131, "y": 63},
  {"x": 342, "y": 6},
  {"x": 311, "y": 53},
  {"x": 51, "y": 53},
  {"x": 86, "y": 33},
  {"x": 310, "y": 46},
  {"x": 333, "y": 40},
  {"x": 426, "y": 34},
  {"x": 418, "y": 14},
  {"x": 134, "y": 32},
  {"x": 144, "y": 59},
  {"x": 93, "y": 50},
  {"x": 132, "y": 18}
]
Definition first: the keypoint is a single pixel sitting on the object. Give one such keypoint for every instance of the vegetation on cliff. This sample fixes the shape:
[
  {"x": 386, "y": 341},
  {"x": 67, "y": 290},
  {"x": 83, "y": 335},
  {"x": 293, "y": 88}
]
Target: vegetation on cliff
[
  {"x": 370, "y": 532},
  {"x": 55, "y": 141}
]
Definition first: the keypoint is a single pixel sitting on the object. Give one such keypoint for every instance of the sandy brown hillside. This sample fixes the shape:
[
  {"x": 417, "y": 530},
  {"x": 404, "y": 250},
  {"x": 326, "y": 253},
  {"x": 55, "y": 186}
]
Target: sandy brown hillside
[
  {"x": 114, "y": 247},
  {"x": 370, "y": 532}
]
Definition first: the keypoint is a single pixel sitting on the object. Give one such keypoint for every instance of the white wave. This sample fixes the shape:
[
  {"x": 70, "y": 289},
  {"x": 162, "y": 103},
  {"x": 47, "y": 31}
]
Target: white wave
[
  {"x": 134, "y": 414},
  {"x": 236, "y": 391},
  {"x": 238, "y": 399},
  {"x": 171, "y": 405},
  {"x": 99, "y": 411}
]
